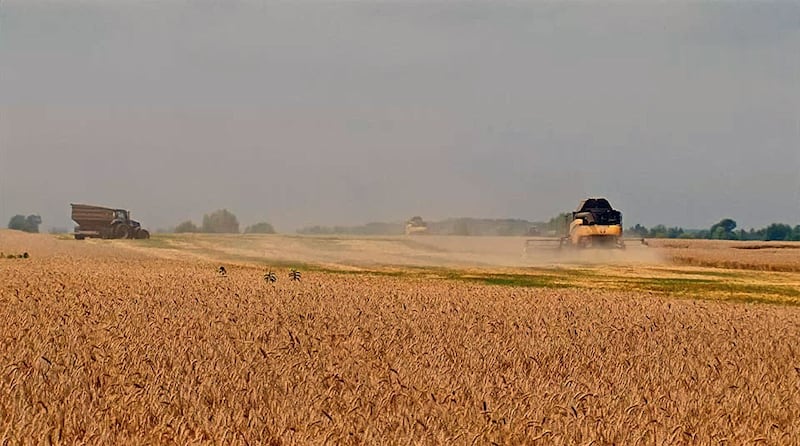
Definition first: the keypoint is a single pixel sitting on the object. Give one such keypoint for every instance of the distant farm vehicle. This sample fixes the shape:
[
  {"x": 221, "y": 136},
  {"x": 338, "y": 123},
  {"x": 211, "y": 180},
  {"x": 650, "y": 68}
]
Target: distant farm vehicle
[
  {"x": 594, "y": 224},
  {"x": 107, "y": 223},
  {"x": 416, "y": 226}
]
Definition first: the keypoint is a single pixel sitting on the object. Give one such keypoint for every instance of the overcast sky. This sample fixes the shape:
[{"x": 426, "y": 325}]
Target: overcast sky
[{"x": 304, "y": 113}]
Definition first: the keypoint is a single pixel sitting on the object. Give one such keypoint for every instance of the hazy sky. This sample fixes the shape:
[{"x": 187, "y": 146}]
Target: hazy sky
[{"x": 304, "y": 113}]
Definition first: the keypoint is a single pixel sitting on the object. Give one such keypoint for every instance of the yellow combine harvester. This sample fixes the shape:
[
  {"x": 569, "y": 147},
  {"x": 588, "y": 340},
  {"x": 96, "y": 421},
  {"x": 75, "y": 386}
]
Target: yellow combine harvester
[
  {"x": 595, "y": 224},
  {"x": 416, "y": 226}
]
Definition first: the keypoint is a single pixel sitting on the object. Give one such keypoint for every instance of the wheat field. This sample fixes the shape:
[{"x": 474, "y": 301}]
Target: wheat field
[
  {"x": 110, "y": 344},
  {"x": 763, "y": 256}
]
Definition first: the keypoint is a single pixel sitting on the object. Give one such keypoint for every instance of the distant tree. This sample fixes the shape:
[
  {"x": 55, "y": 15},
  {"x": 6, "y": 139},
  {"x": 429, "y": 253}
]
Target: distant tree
[
  {"x": 460, "y": 227},
  {"x": 638, "y": 230},
  {"x": 718, "y": 233},
  {"x": 505, "y": 230},
  {"x": 376, "y": 228},
  {"x": 316, "y": 230},
  {"x": 674, "y": 232},
  {"x": 221, "y": 221},
  {"x": 778, "y": 231},
  {"x": 33, "y": 222},
  {"x": 186, "y": 226},
  {"x": 260, "y": 228},
  {"x": 727, "y": 225},
  {"x": 17, "y": 222},
  {"x": 559, "y": 223},
  {"x": 723, "y": 230},
  {"x": 796, "y": 233},
  {"x": 22, "y": 223},
  {"x": 751, "y": 234},
  {"x": 658, "y": 231}
]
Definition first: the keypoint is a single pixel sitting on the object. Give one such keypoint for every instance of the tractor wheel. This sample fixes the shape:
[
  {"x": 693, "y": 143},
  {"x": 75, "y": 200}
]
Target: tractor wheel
[
  {"x": 79, "y": 237},
  {"x": 122, "y": 231},
  {"x": 142, "y": 234}
]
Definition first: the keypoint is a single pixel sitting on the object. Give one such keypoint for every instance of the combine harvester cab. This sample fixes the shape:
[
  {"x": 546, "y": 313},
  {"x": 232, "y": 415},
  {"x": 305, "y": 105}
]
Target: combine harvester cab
[
  {"x": 594, "y": 224},
  {"x": 107, "y": 223}
]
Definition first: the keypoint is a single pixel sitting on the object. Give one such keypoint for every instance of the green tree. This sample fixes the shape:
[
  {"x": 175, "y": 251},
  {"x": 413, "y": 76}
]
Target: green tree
[
  {"x": 728, "y": 224},
  {"x": 723, "y": 230},
  {"x": 658, "y": 231},
  {"x": 778, "y": 231},
  {"x": 221, "y": 221},
  {"x": 639, "y": 230},
  {"x": 22, "y": 223},
  {"x": 17, "y": 222},
  {"x": 559, "y": 223},
  {"x": 674, "y": 232},
  {"x": 260, "y": 228},
  {"x": 718, "y": 233},
  {"x": 186, "y": 226},
  {"x": 753, "y": 234}
]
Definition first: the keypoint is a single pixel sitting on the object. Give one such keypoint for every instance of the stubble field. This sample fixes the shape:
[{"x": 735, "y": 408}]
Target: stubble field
[{"x": 394, "y": 341}]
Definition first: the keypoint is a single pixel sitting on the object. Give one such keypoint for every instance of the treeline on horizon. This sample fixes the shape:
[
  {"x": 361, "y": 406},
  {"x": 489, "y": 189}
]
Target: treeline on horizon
[
  {"x": 725, "y": 229},
  {"x": 451, "y": 226},
  {"x": 223, "y": 221}
]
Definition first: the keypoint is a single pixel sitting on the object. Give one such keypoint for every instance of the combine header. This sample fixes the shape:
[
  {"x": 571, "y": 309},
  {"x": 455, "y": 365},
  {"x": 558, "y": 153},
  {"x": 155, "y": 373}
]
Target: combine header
[{"x": 595, "y": 224}]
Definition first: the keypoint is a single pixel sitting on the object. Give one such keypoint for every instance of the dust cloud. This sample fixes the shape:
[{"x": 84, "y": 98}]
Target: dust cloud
[{"x": 402, "y": 251}]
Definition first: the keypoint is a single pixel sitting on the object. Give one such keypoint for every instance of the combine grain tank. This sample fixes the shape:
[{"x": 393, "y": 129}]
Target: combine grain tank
[{"x": 102, "y": 222}]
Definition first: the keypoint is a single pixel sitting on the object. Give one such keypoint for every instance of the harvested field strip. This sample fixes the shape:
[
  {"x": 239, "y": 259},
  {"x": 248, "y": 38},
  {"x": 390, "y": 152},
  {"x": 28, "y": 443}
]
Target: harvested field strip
[
  {"x": 517, "y": 280},
  {"x": 731, "y": 287},
  {"x": 705, "y": 272},
  {"x": 746, "y": 284}
]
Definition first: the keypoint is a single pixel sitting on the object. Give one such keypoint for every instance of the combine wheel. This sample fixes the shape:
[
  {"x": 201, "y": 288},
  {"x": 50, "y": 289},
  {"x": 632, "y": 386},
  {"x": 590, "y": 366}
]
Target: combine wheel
[
  {"x": 122, "y": 231},
  {"x": 79, "y": 236}
]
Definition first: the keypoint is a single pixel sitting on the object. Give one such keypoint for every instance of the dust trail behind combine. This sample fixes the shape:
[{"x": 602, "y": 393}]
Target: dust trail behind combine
[{"x": 423, "y": 251}]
